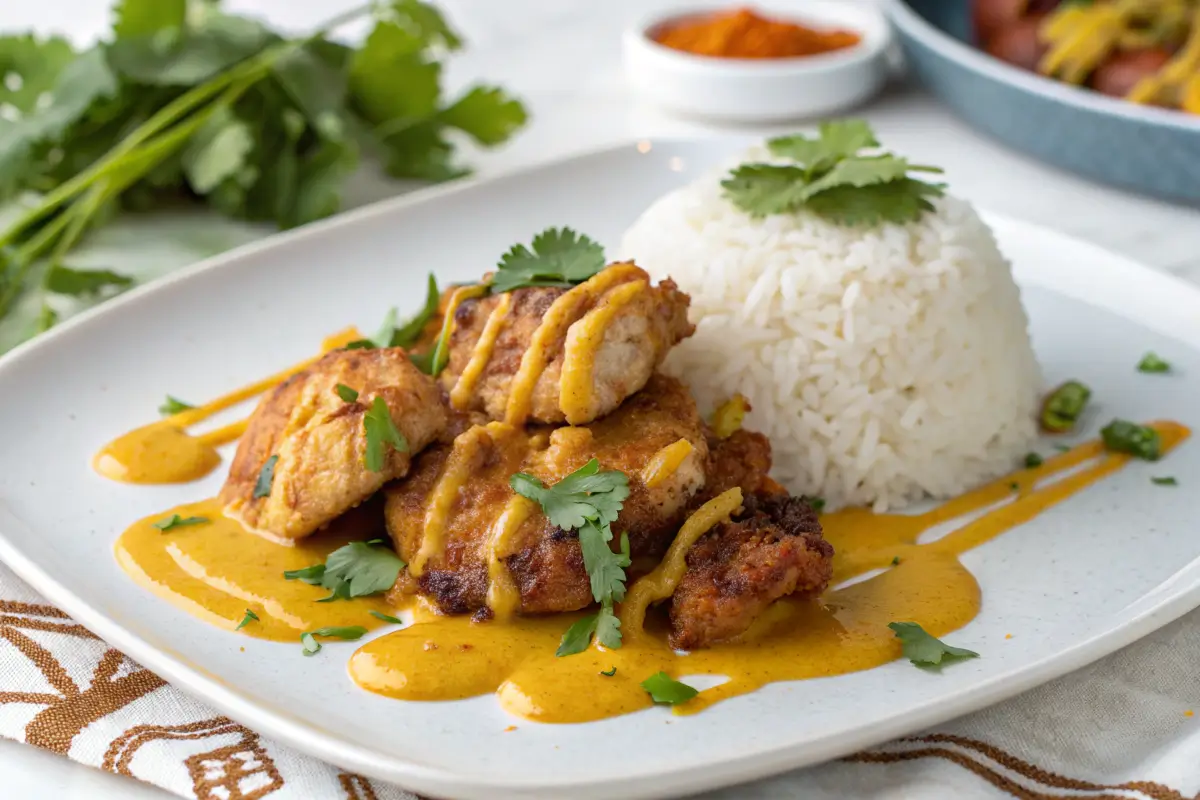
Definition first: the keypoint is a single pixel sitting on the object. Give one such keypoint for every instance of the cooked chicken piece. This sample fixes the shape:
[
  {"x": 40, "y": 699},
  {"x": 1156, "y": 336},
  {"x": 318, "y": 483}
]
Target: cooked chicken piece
[
  {"x": 771, "y": 549},
  {"x": 544, "y": 563},
  {"x": 320, "y": 440},
  {"x": 571, "y": 355}
]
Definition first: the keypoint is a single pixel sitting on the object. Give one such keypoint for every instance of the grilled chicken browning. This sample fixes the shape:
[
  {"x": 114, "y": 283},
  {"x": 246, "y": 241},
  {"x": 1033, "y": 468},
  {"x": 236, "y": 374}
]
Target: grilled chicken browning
[
  {"x": 320, "y": 441},
  {"x": 544, "y": 562},
  {"x": 772, "y": 549},
  {"x": 596, "y": 344}
]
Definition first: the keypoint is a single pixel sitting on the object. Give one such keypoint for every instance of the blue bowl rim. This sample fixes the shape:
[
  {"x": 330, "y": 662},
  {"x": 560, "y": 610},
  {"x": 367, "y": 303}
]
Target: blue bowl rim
[{"x": 911, "y": 23}]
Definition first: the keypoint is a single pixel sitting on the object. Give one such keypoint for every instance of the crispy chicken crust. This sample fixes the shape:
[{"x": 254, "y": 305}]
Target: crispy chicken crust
[
  {"x": 634, "y": 345},
  {"x": 320, "y": 440},
  {"x": 545, "y": 562},
  {"x": 772, "y": 549}
]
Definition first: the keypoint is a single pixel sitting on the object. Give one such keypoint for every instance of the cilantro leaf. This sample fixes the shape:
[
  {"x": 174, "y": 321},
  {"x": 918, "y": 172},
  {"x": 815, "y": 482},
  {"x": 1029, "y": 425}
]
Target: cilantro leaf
[
  {"x": 578, "y": 636},
  {"x": 409, "y": 333},
  {"x": 1152, "y": 364},
  {"x": 837, "y": 139},
  {"x": 365, "y": 569},
  {"x": 898, "y": 202},
  {"x": 348, "y": 633},
  {"x": 608, "y": 673},
  {"x": 250, "y": 616},
  {"x": 381, "y": 431},
  {"x": 1122, "y": 436},
  {"x": 1167, "y": 481},
  {"x": 64, "y": 280},
  {"x": 924, "y": 650},
  {"x": 585, "y": 494},
  {"x": 383, "y": 337},
  {"x": 218, "y": 151},
  {"x": 313, "y": 575},
  {"x": 175, "y": 521},
  {"x": 386, "y": 617},
  {"x": 560, "y": 257},
  {"x": 346, "y": 393},
  {"x": 834, "y": 178},
  {"x": 604, "y": 567},
  {"x": 29, "y": 68},
  {"x": 1033, "y": 460},
  {"x": 173, "y": 406},
  {"x": 487, "y": 114},
  {"x": 664, "y": 689},
  {"x": 266, "y": 476},
  {"x": 608, "y": 628},
  {"x": 134, "y": 18}
]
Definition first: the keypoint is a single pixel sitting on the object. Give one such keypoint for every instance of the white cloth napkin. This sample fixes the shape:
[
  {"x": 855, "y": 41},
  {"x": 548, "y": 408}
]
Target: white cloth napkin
[{"x": 1122, "y": 728}]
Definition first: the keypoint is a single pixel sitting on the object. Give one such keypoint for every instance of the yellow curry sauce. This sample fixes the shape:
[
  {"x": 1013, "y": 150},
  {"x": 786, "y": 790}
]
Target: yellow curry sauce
[{"x": 218, "y": 570}]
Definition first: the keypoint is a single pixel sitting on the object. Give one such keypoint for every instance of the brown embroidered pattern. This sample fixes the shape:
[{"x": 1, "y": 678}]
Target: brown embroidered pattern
[
  {"x": 70, "y": 709},
  {"x": 238, "y": 771},
  {"x": 1043, "y": 782}
]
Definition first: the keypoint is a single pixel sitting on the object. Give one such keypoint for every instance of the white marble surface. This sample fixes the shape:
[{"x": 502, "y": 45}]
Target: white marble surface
[{"x": 563, "y": 58}]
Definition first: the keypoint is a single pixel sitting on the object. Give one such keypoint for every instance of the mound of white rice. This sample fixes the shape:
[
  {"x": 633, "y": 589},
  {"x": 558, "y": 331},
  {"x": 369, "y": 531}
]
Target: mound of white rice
[{"x": 885, "y": 364}]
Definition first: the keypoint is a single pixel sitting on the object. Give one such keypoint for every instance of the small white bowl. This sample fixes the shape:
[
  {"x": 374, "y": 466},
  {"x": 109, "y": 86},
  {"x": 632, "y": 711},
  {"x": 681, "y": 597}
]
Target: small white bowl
[{"x": 762, "y": 90}]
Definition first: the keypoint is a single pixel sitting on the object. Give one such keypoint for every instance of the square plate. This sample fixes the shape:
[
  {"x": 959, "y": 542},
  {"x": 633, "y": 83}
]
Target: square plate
[{"x": 1081, "y": 580}]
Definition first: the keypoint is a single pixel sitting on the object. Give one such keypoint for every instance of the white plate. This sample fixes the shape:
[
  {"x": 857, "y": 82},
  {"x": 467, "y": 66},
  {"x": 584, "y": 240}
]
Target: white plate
[{"x": 1082, "y": 580}]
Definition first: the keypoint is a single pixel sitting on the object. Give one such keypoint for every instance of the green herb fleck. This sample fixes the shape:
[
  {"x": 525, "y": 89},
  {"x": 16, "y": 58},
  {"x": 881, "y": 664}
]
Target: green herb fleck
[
  {"x": 839, "y": 175},
  {"x": 176, "y": 521},
  {"x": 1016, "y": 487},
  {"x": 381, "y": 431},
  {"x": 1167, "y": 481},
  {"x": 386, "y": 617},
  {"x": 560, "y": 257},
  {"x": 266, "y": 476},
  {"x": 924, "y": 650},
  {"x": 1033, "y": 460},
  {"x": 608, "y": 673},
  {"x": 1062, "y": 448},
  {"x": 578, "y": 636},
  {"x": 84, "y": 282},
  {"x": 250, "y": 616},
  {"x": 357, "y": 569},
  {"x": 1121, "y": 436},
  {"x": 347, "y": 633},
  {"x": 173, "y": 406},
  {"x": 1153, "y": 364},
  {"x": 346, "y": 393},
  {"x": 410, "y": 332},
  {"x": 360, "y": 344},
  {"x": 816, "y": 503},
  {"x": 664, "y": 689},
  {"x": 588, "y": 501},
  {"x": 1063, "y": 407},
  {"x": 896, "y": 561}
]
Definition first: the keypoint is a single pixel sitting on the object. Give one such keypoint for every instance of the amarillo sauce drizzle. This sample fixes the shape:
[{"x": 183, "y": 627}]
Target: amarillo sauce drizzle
[
  {"x": 463, "y": 460},
  {"x": 164, "y": 452},
  {"x": 665, "y": 462},
  {"x": 460, "y": 396},
  {"x": 577, "y": 383},
  {"x": 564, "y": 312},
  {"x": 217, "y": 571}
]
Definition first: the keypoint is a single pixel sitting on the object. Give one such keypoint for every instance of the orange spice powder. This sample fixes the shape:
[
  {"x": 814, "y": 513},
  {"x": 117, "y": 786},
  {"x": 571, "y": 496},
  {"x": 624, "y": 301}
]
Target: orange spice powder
[{"x": 745, "y": 34}]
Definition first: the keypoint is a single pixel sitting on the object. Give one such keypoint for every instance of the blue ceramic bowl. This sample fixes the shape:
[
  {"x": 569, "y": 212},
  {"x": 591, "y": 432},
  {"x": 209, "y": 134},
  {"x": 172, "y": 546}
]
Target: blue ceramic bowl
[{"x": 1148, "y": 150}]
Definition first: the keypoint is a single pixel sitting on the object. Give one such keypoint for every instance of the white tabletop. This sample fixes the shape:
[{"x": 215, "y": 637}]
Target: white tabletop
[{"x": 563, "y": 58}]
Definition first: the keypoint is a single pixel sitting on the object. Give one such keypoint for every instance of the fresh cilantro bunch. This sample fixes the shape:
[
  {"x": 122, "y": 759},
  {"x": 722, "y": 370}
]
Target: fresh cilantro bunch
[
  {"x": 588, "y": 501},
  {"x": 838, "y": 175},
  {"x": 186, "y": 101}
]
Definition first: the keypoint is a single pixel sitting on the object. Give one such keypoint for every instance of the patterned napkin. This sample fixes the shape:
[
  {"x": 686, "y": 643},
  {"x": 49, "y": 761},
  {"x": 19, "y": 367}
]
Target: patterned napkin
[{"x": 1120, "y": 730}]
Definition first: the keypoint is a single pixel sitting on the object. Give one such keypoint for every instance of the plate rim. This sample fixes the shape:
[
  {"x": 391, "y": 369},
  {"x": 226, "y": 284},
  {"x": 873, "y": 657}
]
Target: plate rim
[
  {"x": 904, "y": 17},
  {"x": 443, "y": 781}
]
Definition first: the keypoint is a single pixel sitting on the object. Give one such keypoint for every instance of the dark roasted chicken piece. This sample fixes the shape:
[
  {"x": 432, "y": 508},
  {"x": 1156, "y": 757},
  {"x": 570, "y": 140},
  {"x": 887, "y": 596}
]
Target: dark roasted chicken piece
[
  {"x": 629, "y": 324},
  {"x": 319, "y": 440},
  {"x": 544, "y": 563}
]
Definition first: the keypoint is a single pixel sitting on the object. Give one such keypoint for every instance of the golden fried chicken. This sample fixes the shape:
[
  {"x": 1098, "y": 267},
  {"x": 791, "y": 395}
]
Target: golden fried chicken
[
  {"x": 319, "y": 441},
  {"x": 487, "y": 537},
  {"x": 772, "y": 548},
  {"x": 551, "y": 355}
]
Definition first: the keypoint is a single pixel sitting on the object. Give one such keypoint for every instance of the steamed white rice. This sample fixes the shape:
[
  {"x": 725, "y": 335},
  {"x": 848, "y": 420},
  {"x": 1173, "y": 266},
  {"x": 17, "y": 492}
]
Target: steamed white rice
[{"x": 885, "y": 364}]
